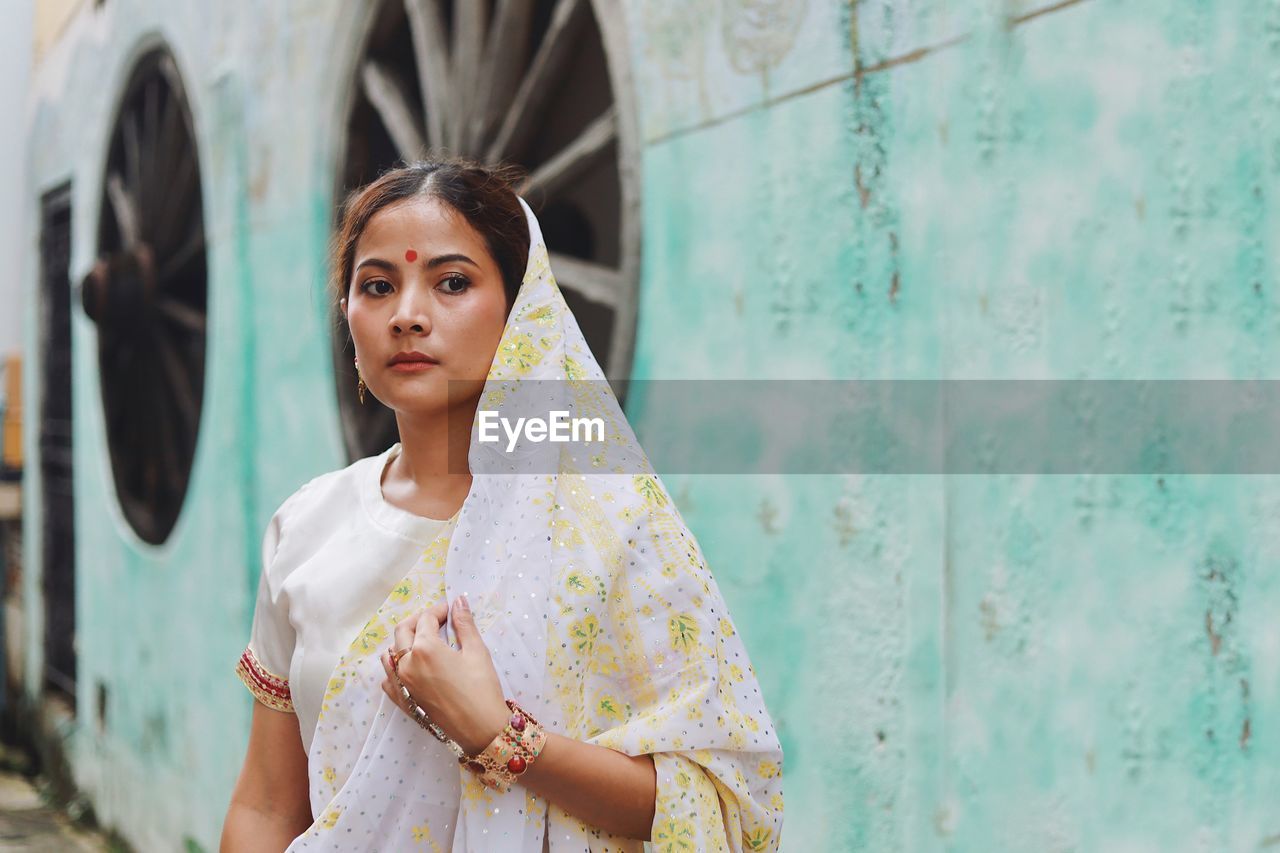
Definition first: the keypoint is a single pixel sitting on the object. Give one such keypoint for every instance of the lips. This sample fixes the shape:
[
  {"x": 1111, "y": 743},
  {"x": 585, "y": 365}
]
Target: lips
[{"x": 412, "y": 358}]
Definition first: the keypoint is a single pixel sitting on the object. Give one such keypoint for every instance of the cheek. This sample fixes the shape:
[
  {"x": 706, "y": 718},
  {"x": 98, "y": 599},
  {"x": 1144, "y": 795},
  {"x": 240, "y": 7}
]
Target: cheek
[
  {"x": 357, "y": 319},
  {"x": 481, "y": 329}
]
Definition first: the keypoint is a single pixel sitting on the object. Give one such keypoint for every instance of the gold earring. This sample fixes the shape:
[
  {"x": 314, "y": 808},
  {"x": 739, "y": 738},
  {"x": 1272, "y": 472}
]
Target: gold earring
[{"x": 360, "y": 386}]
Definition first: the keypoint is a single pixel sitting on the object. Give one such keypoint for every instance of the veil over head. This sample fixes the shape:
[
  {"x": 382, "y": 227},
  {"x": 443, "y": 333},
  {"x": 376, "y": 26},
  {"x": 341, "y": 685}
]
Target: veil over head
[{"x": 602, "y": 619}]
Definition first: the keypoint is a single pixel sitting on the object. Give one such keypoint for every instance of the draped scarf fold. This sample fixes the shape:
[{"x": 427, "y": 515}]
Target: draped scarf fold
[{"x": 602, "y": 618}]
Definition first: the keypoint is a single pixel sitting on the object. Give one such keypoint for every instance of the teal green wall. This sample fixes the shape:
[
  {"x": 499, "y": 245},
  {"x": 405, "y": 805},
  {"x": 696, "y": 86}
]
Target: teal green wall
[
  {"x": 872, "y": 190},
  {"x": 971, "y": 190},
  {"x": 161, "y": 628}
]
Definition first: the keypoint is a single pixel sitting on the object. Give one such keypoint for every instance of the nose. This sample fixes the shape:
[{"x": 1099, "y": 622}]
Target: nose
[{"x": 412, "y": 315}]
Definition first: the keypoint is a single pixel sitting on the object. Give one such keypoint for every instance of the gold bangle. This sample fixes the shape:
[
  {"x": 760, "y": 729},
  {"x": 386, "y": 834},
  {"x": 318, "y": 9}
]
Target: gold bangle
[{"x": 511, "y": 752}]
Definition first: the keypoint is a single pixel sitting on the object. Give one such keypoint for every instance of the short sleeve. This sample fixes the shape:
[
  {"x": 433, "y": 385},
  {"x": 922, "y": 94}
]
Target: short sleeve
[{"x": 264, "y": 664}]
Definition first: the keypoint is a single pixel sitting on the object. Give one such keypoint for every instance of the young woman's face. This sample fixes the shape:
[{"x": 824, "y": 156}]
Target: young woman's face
[{"x": 426, "y": 306}]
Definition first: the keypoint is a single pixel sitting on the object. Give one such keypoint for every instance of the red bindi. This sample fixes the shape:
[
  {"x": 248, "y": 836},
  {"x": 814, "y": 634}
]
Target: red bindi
[{"x": 411, "y": 256}]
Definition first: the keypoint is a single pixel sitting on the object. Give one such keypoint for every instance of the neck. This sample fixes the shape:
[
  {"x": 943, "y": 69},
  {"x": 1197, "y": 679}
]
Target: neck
[{"x": 434, "y": 447}]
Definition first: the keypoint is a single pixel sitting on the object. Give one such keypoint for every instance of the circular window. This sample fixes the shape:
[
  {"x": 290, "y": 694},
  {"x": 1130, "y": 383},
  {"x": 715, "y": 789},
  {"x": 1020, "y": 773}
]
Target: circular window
[
  {"x": 147, "y": 295},
  {"x": 531, "y": 83}
]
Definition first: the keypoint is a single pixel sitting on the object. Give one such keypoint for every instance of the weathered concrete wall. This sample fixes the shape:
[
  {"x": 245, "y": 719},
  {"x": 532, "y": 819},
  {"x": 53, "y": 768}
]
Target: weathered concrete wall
[
  {"x": 872, "y": 190},
  {"x": 160, "y": 628},
  {"x": 983, "y": 190},
  {"x": 15, "y": 72}
]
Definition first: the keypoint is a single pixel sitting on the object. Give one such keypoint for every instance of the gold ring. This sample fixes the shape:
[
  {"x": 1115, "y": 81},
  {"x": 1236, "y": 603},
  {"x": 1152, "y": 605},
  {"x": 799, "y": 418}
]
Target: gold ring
[{"x": 396, "y": 655}]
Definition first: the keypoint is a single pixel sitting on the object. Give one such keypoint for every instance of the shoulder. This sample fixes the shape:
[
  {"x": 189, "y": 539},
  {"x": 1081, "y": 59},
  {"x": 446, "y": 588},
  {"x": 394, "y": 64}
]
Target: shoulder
[
  {"x": 316, "y": 511},
  {"x": 332, "y": 491}
]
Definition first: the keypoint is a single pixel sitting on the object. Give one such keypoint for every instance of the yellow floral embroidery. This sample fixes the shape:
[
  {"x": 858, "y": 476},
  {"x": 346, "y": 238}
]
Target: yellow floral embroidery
[
  {"x": 768, "y": 769},
  {"x": 330, "y": 819},
  {"x": 609, "y": 707},
  {"x": 543, "y": 315},
  {"x": 436, "y": 552},
  {"x": 567, "y": 535},
  {"x": 520, "y": 353},
  {"x": 604, "y": 661},
  {"x": 422, "y": 834},
  {"x": 401, "y": 593},
  {"x": 649, "y": 489},
  {"x": 758, "y": 838},
  {"x": 726, "y": 627},
  {"x": 329, "y": 774},
  {"x": 573, "y": 370},
  {"x": 369, "y": 638},
  {"x": 684, "y": 632},
  {"x": 585, "y": 633},
  {"x": 672, "y": 834}
]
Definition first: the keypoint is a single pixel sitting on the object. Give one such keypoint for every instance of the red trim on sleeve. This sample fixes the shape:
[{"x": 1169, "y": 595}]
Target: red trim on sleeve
[{"x": 268, "y": 688}]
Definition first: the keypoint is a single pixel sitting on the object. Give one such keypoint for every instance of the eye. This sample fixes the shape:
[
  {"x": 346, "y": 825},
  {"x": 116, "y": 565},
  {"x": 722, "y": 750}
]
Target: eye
[
  {"x": 378, "y": 286},
  {"x": 460, "y": 282}
]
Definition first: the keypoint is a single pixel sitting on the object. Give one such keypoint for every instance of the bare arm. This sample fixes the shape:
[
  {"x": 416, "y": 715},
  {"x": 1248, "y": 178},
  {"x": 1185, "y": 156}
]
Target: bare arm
[
  {"x": 601, "y": 786},
  {"x": 270, "y": 805}
]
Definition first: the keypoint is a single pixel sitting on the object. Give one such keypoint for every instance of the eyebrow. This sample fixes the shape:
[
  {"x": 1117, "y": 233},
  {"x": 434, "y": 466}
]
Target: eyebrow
[{"x": 437, "y": 261}]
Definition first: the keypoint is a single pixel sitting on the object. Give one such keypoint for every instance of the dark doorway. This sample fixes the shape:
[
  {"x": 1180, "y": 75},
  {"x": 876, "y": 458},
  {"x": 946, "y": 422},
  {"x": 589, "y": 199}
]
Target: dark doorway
[{"x": 58, "y": 505}]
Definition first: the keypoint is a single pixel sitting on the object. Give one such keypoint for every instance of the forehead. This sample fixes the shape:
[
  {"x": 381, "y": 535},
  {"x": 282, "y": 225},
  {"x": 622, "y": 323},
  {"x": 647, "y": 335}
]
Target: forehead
[{"x": 426, "y": 225}]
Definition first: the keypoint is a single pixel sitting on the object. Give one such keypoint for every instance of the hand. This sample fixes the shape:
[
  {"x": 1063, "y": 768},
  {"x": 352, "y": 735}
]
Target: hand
[{"x": 458, "y": 688}]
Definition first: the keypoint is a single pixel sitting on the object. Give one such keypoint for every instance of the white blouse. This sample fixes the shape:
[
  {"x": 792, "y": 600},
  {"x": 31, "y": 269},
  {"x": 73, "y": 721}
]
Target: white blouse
[{"x": 331, "y": 554}]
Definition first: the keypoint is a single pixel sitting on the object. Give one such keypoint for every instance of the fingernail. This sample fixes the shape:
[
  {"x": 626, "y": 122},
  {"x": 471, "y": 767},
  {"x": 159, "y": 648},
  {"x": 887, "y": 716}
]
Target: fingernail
[{"x": 462, "y": 600}]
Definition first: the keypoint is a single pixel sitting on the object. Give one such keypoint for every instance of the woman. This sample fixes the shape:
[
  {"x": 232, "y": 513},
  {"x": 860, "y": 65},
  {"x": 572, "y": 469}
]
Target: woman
[{"x": 596, "y": 665}]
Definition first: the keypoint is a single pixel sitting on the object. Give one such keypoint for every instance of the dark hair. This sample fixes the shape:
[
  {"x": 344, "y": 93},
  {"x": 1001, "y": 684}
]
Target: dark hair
[{"x": 484, "y": 195}]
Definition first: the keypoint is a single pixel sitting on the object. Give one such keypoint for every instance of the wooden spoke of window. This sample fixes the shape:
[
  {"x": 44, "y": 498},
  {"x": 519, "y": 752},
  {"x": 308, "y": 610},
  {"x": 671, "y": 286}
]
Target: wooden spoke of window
[
  {"x": 389, "y": 98},
  {"x": 576, "y": 157},
  {"x": 539, "y": 81},
  {"x": 430, "y": 48},
  {"x": 595, "y": 282}
]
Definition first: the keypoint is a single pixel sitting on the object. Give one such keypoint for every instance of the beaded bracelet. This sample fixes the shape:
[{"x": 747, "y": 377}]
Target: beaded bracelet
[
  {"x": 507, "y": 756},
  {"x": 510, "y": 752}
]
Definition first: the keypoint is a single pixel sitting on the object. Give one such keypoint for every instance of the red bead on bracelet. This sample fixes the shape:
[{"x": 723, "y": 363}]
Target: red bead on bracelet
[{"x": 523, "y": 736}]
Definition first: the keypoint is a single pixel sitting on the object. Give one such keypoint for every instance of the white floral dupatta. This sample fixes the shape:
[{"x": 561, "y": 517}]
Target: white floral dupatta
[{"x": 603, "y": 621}]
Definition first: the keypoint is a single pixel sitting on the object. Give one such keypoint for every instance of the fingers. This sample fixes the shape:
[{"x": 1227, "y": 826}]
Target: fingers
[
  {"x": 425, "y": 636},
  {"x": 464, "y": 625},
  {"x": 389, "y": 685},
  {"x": 430, "y": 620},
  {"x": 403, "y": 635},
  {"x": 423, "y": 624}
]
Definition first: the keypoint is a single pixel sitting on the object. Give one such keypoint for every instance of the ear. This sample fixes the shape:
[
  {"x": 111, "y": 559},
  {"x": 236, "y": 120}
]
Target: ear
[{"x": 343, "y": 304}]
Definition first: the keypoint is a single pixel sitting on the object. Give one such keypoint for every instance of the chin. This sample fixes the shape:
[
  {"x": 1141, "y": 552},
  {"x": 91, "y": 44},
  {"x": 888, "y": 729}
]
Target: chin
[{"x": 434, "y": 401}]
